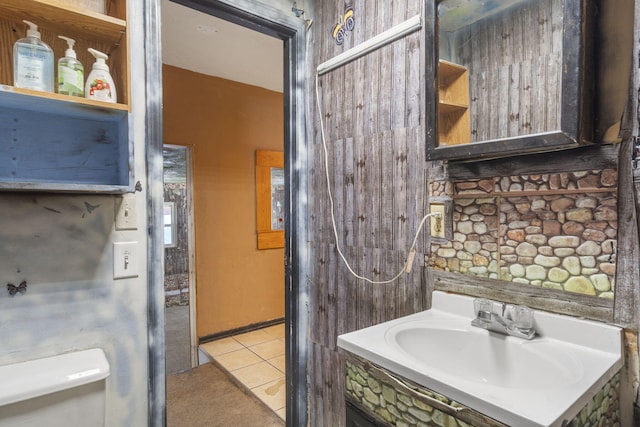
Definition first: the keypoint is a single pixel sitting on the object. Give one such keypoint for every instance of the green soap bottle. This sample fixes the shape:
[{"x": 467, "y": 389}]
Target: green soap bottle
[{"x": 70, "y": 72}]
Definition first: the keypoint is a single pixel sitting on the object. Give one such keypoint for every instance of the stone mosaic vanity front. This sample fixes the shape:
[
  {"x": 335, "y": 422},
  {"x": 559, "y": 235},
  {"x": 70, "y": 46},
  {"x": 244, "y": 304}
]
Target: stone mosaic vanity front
[{"x": 390, "y": 400}]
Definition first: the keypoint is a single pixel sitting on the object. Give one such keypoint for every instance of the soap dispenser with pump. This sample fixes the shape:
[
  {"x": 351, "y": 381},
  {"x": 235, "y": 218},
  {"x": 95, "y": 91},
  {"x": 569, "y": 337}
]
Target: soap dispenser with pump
[
  {"x": 32, "y": 62},
  {"x": 99, "y": 84},
  {"x": 70, "y": 72}
]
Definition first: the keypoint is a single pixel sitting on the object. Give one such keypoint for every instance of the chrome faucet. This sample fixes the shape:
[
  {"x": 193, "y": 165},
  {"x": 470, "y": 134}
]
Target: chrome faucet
[{"x": 514, "y": 320}]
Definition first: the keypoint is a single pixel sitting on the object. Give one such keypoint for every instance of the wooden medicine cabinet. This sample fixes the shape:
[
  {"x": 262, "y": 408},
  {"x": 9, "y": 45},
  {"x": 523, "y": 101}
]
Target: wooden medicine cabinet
[{"x": 510, "y": 77}]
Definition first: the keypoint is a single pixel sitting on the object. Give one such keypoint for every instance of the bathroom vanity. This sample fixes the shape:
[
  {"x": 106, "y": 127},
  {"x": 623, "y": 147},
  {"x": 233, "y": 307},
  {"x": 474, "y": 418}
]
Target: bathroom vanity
[{"x": 435, "y": 368}]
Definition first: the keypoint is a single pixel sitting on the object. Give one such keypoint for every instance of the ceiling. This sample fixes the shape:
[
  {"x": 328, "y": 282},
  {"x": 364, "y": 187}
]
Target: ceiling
[{"x": 202, "y": 43}]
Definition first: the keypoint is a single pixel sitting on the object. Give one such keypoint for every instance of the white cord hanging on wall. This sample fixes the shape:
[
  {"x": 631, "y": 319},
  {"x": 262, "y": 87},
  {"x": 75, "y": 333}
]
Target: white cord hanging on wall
[
  {"x": 412, "y": 251},
  {"x": 372, "y": 44}
]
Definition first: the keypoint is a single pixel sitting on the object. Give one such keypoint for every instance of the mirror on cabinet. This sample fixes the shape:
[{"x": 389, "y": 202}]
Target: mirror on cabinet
[{"x": 511, "y": 77}]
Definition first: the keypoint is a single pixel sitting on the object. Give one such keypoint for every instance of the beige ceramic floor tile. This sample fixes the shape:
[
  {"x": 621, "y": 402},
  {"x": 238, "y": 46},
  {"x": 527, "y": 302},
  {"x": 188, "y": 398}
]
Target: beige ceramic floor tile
[
  {"x": 257, "y": 375},
  {"x": 265, "y": 378},
  {"x": 273, "y": 394},
  {"x": 279, "y": 362},
  {"x": 238, "y": 359},
  {"x": 221, "y": 346},
  {"x": 252, "y": 338},
  {"x": 269, "y": 350},
  {"x": 276, "y": 330}
]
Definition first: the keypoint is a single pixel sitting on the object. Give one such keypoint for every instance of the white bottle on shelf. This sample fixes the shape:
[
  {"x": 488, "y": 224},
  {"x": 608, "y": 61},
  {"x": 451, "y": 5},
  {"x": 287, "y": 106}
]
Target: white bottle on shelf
[
  {"x": 99, "y": 84},
  {"x": 32, "y": 62},
  {"x": 70, "y": 72}
]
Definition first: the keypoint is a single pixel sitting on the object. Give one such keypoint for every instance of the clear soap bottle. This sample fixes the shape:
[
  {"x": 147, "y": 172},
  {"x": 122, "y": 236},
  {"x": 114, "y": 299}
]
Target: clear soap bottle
[
  {"x": 32, "y": 62},
  {"x": 70, "y": 72}
]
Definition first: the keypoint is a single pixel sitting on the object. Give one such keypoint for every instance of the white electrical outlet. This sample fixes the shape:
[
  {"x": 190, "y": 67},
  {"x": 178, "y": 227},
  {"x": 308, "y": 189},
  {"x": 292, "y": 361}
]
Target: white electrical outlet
[
  {"x": 126, "y": 213},
  {"x": 438, "y": 224},
  {"x": 125, "y": 260}
]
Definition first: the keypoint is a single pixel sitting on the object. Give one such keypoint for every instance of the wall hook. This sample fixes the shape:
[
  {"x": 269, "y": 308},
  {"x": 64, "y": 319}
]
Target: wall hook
[
  {"x": 21, "y": 288},
  {"x": 296, "y": 11},
  {"x": 299, "y": 13}
]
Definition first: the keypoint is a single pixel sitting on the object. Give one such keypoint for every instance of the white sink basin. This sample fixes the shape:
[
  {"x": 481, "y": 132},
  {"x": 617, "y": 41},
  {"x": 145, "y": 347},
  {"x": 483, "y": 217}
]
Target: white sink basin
[
  {"x": 488, "y": 358},
  {"x": 523, "y": 383}
]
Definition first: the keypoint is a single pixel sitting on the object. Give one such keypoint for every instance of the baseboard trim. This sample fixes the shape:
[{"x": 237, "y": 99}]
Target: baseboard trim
[{"x": 241, "y": 330}]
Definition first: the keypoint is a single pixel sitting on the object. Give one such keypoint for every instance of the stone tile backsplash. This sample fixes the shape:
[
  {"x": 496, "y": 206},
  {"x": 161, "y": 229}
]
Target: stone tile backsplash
[{"x": 555, "y": 230}]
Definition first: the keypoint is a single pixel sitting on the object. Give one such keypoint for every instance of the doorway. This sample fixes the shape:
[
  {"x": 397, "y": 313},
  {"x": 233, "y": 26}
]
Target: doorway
[
  {"x": 179, "y": 278},
  {"x": 278, "y": 22},
  {"x": 241, "y": 286}
]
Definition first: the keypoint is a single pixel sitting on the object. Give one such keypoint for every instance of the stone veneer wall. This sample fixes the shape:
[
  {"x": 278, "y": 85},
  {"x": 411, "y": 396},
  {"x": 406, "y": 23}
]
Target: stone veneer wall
[
  {"x": 555, "y": 230},
  {"x": 378, "y": 393}
]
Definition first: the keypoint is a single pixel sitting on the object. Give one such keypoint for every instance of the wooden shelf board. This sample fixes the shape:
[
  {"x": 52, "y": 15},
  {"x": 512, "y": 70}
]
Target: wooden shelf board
[
  {"x": 75, "y": 100},
  {"x": 445, "y": 107},
  {"x": 450, "y": 144},
  {"x": 450, "y": 68},
  {"x": 65, "y": 187},
  {"x": 53, "y": 15}
]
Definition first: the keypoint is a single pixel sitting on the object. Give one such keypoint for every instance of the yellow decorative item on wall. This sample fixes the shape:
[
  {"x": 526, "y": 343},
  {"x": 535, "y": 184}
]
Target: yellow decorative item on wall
[{"x": 347, "y": 23}]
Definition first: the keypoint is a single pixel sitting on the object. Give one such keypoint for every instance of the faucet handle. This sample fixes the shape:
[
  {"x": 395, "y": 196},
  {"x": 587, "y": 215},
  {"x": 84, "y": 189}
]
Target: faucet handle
[
  {"x": 522, "y": 317},
  {"x": 482, "y": 305}
]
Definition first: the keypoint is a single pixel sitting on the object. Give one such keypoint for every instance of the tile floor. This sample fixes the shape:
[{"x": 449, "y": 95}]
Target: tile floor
[{"x": 256, "y": 359}]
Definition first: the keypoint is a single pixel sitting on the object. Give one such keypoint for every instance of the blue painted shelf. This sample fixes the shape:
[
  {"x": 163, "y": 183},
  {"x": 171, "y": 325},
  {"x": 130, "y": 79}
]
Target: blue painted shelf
[{"x": 51, "y": 142}]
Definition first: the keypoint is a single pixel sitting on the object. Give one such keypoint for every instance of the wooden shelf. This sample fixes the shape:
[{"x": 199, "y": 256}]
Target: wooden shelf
[
  {"x": 53, "y": 143},
  {"x": 448, "y": 67},
  {"x": 59, "y": 17},
  {"x": 35, "y": 96},
  {"x": 104, "y": 32},
  {"x": 453, "y": 104},
  {"x": 61, "y": 143},
  {"x": 448, "y": 107}
]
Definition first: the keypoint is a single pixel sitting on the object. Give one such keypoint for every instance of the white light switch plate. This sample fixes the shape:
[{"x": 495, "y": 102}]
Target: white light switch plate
[
  {"x": 125, "y": 260},
  {"x": 126, "y": 213}
]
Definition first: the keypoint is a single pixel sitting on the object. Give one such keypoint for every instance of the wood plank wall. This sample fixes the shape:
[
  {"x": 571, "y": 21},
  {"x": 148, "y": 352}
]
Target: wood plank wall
[
  {"x": 514, "y": 61},
  {"x": 373, "y": 115},
  {"x": 373, "y": 112}
]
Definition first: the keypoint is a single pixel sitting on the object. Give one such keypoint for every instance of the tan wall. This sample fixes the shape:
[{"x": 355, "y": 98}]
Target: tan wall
[{"x": 225, "y": 122}]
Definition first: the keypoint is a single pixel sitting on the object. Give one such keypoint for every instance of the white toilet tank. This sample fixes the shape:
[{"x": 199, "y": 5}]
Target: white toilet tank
[{"x": 66, "y": 390}]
